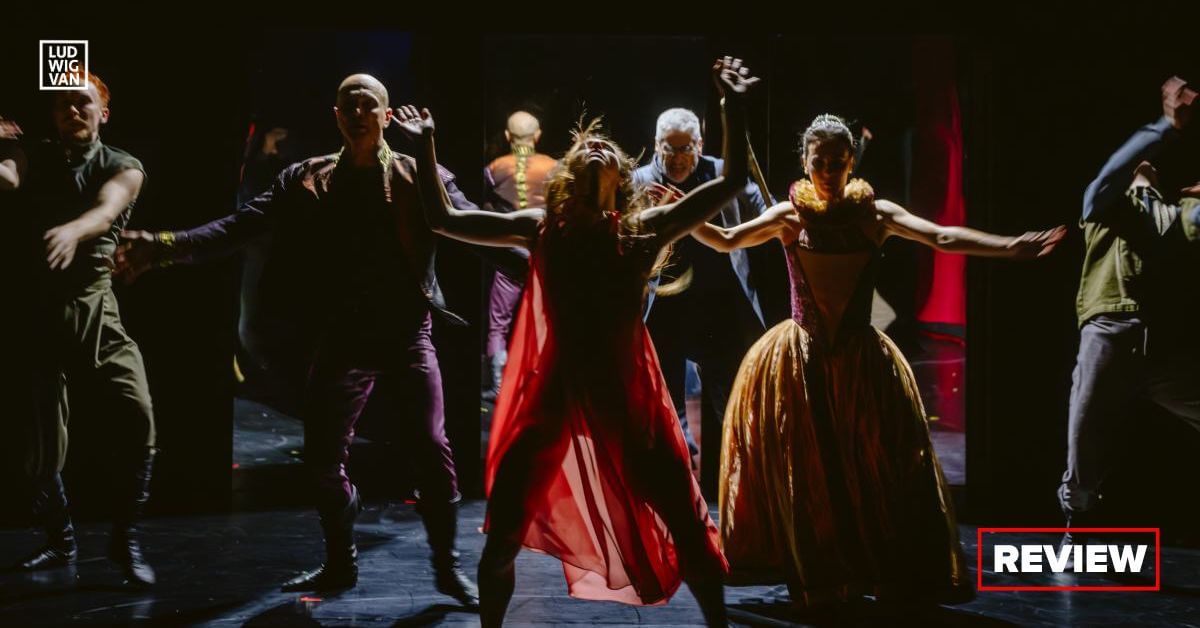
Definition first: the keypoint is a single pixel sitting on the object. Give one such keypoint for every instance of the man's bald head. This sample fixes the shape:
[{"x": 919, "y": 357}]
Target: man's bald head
[
  {"x": 523, "y": 128},
  {"x": 362, "y": 111},
  {"x": 362, "y": 82}
]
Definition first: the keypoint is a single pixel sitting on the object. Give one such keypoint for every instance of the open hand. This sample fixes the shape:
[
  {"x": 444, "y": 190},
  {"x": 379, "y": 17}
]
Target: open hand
[
  {"x": 1177, "y": 99},
  {"x": 1033, "y": 244},
  {"x": 139, "y": 251},
  {"x": 732, "y": 78},
  {"x": 61, "y": 243},
  {"x": 414, "y": 124},
  {"x": 9, "y": 130},
  {"x": 660, "y": 194}
]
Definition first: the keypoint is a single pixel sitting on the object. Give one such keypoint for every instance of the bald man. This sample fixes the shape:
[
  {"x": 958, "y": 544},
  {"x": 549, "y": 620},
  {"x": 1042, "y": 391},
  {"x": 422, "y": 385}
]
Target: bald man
[
  {"x": 514, "y": 181},
  {"x": 517, "y": 180},
  {"x": 371, "y": 271}
]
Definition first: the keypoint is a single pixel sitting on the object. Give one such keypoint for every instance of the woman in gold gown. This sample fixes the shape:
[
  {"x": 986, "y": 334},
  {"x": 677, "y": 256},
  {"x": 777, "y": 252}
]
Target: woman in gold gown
[{"x": 828, "y": 478}]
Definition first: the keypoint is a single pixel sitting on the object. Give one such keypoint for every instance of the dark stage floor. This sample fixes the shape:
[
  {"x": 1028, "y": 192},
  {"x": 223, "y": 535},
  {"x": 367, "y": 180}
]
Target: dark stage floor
[{"x": 224, "y": 571}]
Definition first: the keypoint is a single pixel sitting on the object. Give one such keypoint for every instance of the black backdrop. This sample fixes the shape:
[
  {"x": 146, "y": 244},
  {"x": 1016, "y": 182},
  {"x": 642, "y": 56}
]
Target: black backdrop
[{"x": 1041, "y": 113}]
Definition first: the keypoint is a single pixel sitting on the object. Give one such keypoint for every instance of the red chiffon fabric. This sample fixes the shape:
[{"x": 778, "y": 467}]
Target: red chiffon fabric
[{"x": 583, "y": 380}]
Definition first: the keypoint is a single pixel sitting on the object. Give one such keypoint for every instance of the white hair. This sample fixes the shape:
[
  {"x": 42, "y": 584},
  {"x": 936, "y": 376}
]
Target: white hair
[{"x": 677, "y": 120}]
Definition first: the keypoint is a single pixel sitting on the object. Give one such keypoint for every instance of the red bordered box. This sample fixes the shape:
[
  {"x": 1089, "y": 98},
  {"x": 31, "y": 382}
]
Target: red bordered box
[{"x": 1157, "y": 559}]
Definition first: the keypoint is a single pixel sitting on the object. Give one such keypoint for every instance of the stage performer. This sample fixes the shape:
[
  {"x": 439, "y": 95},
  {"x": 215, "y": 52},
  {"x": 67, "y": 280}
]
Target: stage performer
[
  {"x": 514, "y": 181},
  {"x": 1136, "y": 309},
  {"x": 374, "y": 290},
  {"x": 717, "y": 317},
  {"x": 79, "y": 194},
  {"x": 587, "y": 461},
  {"x": 829, "y": 481}
]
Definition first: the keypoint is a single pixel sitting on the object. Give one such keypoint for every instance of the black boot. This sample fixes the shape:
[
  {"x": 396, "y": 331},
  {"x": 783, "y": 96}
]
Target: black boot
[
  {"x": 498, "y": 361},
  {"x": 495, "y": 373},
  {"x": 50, "y": 506},
  {"x": 1073, "y": 538},
  {"x": 1078, "y": 519},
  {"x": 340, "y": 570},
  {"x": 441, "y": 527},
  {"x": 710, "y": 594},
  {"x": 124, "y": 547}
]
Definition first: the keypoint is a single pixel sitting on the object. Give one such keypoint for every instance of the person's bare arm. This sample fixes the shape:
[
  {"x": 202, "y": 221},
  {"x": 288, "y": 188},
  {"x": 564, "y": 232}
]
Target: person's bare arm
[
  {"x": 518, "y": 228},
  {"x": 895, "y": 220},
  {"x": 12, "y": 167},
  {"x": 779, "y": 222},
  {"x": 12, "y": 158},
  {"x": 114, "y": 197}
]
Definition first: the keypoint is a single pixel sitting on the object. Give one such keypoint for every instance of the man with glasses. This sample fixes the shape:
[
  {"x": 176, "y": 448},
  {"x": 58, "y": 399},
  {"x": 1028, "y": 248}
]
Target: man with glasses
[{"x": 717, "y": 316}]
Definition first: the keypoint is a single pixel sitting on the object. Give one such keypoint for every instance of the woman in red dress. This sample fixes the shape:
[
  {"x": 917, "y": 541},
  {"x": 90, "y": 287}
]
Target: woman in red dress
[{"x": 586, "y": 460}]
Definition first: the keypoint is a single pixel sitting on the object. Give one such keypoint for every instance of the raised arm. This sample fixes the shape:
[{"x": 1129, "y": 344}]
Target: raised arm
[
  {"x": 670, "y": 222},
  {"x": 779, "y": 221},
  {"x": 114, "y": 197},
  {"x": 895, "y": 220},
  {"x": 1108, "y": 188},
  {"x": 477, "y": 227}
]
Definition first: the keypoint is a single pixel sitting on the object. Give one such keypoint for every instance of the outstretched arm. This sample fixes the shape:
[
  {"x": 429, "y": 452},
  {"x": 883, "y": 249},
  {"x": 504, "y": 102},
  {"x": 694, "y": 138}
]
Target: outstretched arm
[
  {"x": 477, "y": 227},
  {"x": 143, "y": 250},
  {"x": 778, "y": 222},
  {"x": 670, "y": 222},
  {"x": 895, "y": 220}
]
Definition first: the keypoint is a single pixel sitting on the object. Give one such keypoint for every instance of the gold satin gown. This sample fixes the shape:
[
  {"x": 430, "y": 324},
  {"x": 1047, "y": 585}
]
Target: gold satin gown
[{"x": 829, "y": 481}]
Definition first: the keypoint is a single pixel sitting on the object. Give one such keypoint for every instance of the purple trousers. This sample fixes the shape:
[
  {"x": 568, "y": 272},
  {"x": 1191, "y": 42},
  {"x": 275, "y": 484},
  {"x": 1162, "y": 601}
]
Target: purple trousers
[
  {"x": 339, "y": 384},
  {"x": 502, "y": 308}
]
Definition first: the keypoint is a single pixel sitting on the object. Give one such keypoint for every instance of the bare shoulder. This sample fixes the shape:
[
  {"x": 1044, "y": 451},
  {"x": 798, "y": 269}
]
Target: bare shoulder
[
  {"x": 887, "y": 209},
  {"x": 788, "y": 221},
  {"x": 129, "y": 176},
  {"x": 781, "y": 211},
  {"x": 877, "y": 225}
]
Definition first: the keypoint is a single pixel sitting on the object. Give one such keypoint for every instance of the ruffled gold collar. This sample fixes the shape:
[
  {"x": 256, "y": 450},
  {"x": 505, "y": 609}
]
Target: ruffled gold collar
[{"x": 857, "y": 197}]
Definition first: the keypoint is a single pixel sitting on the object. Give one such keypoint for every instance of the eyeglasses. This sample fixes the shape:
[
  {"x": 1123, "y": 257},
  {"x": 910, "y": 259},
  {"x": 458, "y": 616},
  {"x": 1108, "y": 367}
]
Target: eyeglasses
[{"x": 686, "y": 149}]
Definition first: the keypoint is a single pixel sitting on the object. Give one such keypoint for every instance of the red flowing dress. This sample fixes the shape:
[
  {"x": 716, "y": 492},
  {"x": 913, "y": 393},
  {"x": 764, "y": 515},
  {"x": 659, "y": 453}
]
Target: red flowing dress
[{"x": 584, "y": 387}]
